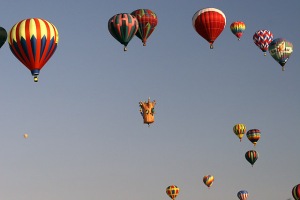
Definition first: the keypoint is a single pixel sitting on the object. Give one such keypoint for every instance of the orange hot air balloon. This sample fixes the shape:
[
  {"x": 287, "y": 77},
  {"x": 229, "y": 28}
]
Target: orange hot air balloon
[
  {"x": 147, "y": 111},
  {"x": 209, "y": 24},
  {"x": 208, "y": 180}
]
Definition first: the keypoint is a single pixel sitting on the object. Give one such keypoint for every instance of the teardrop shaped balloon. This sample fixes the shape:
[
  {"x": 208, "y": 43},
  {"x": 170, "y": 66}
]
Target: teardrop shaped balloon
[
  {"x": 208, "y": 180},
  {"x": 281, "y": 50},
  {"x": 242, "y": 195},
  {"x": 251, "y": 156},
  {"x": 147, "y": 20},
  {"x": 209, "y": 24},
  {"x": 253, "y": 135},
  {"x": 239, "y": 130},
  {"x": 33, "y": 41},
  {"x": 262, "y": 39},
  {"x": 25, "y": 135},
  {"x": 238, "y": 28},
  {"x": 3, "y": 36},
  {"x": 172, "y": 191},
  {"x": 296, "y": 192},
  {"x": 123, "y": 27}
]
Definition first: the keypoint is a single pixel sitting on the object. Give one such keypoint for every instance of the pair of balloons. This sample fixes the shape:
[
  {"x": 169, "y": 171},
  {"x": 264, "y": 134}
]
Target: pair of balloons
[
  {"x": 124, "y": 26},
  {"x": 32, "y": 41},
  {"x": 253, "y": 134},
  {"x": 209, "y": 23},
  {"x": 280, "y": 49}
]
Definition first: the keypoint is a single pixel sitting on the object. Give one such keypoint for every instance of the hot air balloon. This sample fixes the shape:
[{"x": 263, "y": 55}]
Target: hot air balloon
[
  {"x": 296, "y": 192},
  {"x": 147, "y": 111},
  {"x": 3, "y": 36},
  {"x": 251, "y": 156},
  {"x": 208, "y": 180},
  {"x": 25, "y": 135},
  {"x": 147, "y": 20},
  {"x": 238, "y": 28},
  {"x": 253, "y": 135},
  {"x": 242, "y": 195},
  {"x": 281, "y": 49},
  {"x": 172, "y": 191},
  {"x": 123, "y": 27},
  {"x": 209, "y": 23},
  {"x": 239, "y": 130},
  {"x": 33, "y": 41},
  {"x": 262, "y": 39}
]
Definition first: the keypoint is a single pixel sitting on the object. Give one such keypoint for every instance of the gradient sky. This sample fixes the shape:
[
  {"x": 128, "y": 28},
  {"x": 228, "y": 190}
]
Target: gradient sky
[{"x": 87, "y": 140}]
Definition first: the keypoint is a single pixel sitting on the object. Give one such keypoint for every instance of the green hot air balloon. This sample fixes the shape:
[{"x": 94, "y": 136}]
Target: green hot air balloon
[
  {"x": 251, "y": 156},
  {"x": 123, "y": 27},
  {"x": 281, "y": 49},
  {"x": 3, "y": 36}
]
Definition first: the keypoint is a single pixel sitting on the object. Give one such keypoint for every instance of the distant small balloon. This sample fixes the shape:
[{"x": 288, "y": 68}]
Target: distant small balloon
[{"x": 25, "y": 135}]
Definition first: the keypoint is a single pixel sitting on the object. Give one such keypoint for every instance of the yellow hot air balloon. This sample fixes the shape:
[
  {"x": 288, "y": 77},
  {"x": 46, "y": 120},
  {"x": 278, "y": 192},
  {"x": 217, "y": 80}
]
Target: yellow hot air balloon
[
  {"x": 25, "y": 135},
  {"x": 239, "y": 130},
  {"x": 172, "y": 191}
]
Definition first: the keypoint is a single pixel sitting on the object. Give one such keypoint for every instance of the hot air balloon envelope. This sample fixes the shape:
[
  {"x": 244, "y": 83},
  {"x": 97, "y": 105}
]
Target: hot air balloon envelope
[{"x": 209, "y": 23}]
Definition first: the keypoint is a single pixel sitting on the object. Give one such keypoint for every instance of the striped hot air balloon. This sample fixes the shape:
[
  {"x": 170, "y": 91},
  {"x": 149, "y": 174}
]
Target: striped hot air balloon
[
  {"x": 238, "y": 28},
  {"x": 239, "y": 130},
  {"x": 33, "y": 41},
  {"x": 242, "y": 195},
  {"x": 147, "y": 22},
  {"x": 123, "y": 27},
  {"x": 208, "y": 180},
  {"x": 251, "y": 156},
  {"x": 253, "y": 135}
]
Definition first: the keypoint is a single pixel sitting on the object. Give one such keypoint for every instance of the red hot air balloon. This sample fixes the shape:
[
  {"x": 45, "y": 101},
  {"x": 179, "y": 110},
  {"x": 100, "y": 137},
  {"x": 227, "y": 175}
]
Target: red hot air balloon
[
  {"x": 33, "y": 41},
  {"x": 147, "y": 22},
  {"x": 209, "y": 23}
]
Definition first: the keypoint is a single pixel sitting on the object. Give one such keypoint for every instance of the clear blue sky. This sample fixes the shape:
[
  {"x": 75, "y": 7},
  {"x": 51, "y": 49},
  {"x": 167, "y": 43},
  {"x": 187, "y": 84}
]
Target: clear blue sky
[{"x": 86, "y": 136}]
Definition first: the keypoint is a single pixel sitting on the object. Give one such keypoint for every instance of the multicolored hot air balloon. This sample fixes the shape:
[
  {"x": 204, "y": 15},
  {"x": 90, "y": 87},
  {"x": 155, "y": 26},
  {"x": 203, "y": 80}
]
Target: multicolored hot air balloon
[
  {"x": 33, "y": 41},
  {"x": 242, "y": 195},
  {"x": 239, "y": 130},
  {"x": 262, "y": 39},
  {"x": 208, "y": 180},
  {"x": 238, "y": 28},
  {"x": 253, "y": 135},
  {"x": 123, "y": 27},
  {"x": 209, "y": 23},
  {"x": 147, "y": 22},
  {"x": 281, "y": 49},
  {"x": 3, "y": 36},
  {"x": 296, "y": 192},
  {"x": 172, "y": 191},
  {"x": 147, "y": 111},
  {"x": 251, "y": 156}
]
